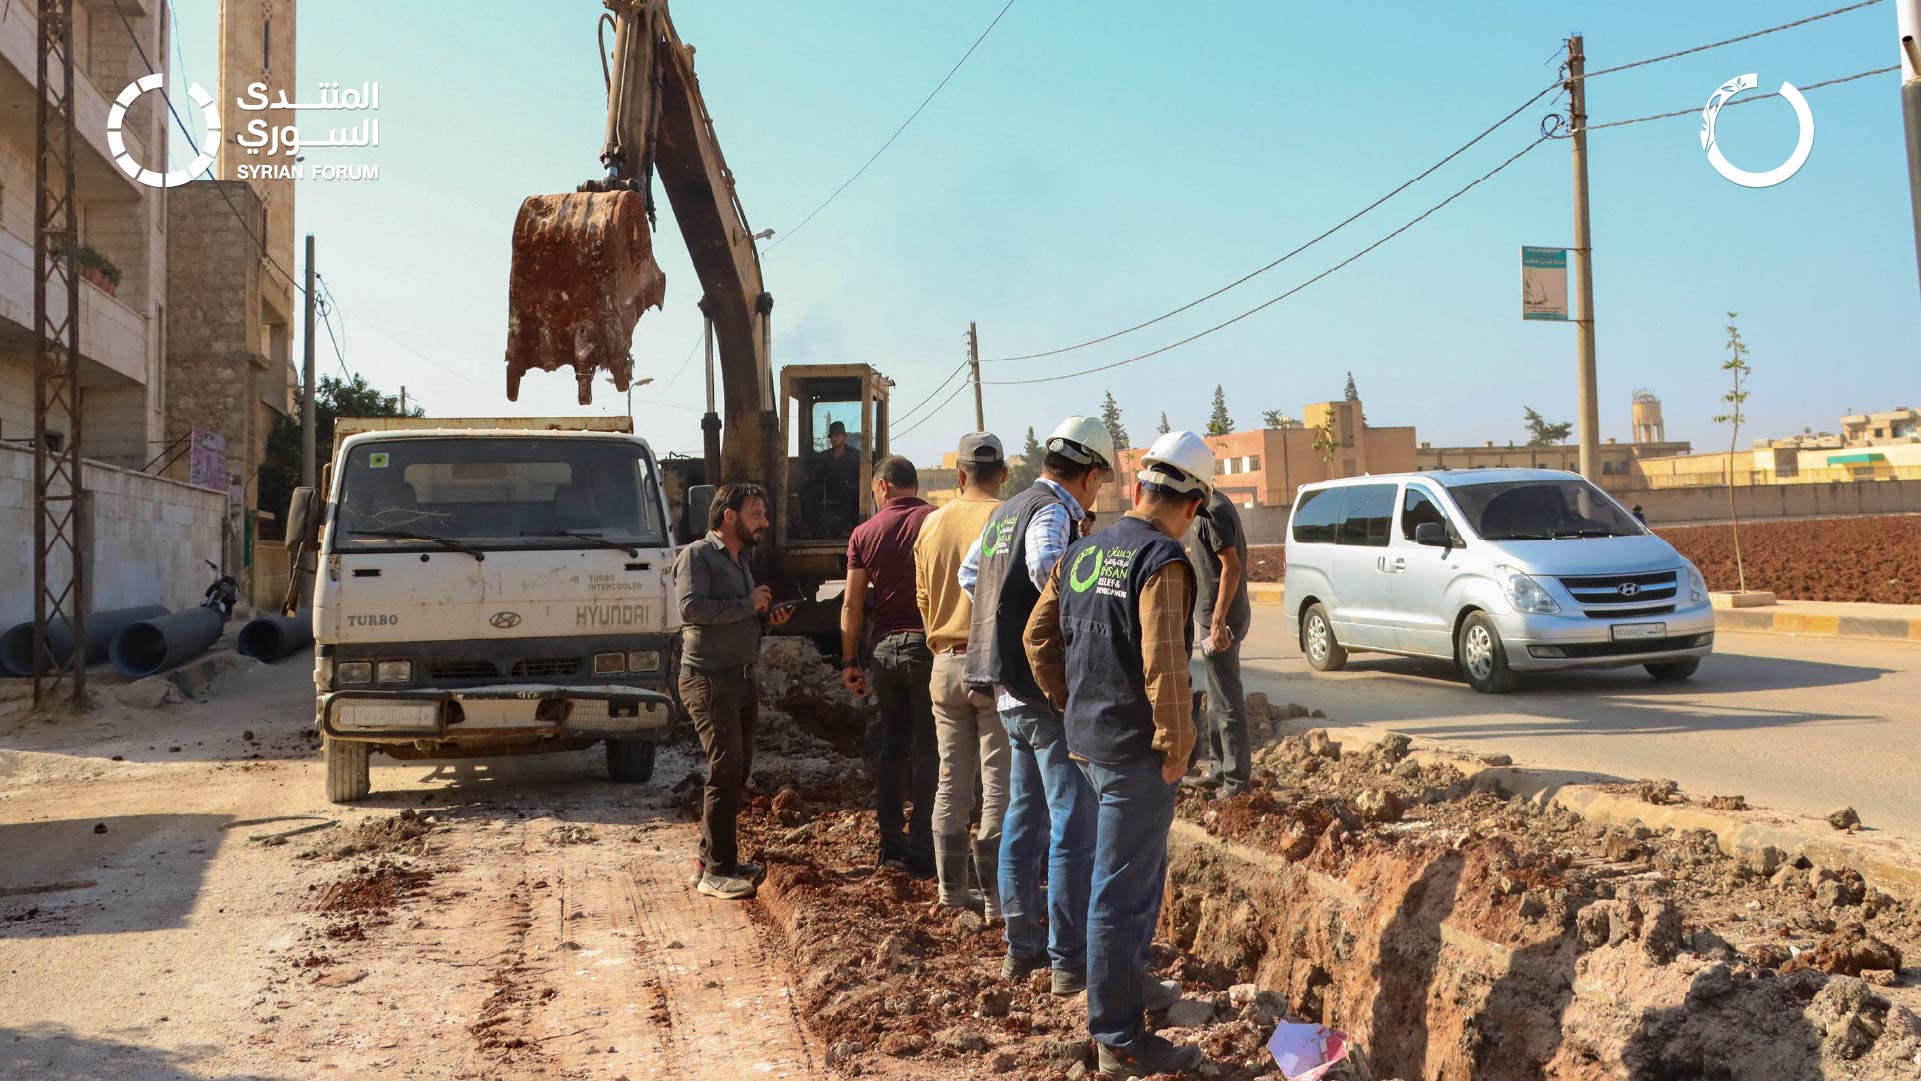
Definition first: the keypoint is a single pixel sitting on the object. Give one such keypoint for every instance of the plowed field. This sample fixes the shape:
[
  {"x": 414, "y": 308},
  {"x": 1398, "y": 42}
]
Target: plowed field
[{"x": 1827, "y": 559}]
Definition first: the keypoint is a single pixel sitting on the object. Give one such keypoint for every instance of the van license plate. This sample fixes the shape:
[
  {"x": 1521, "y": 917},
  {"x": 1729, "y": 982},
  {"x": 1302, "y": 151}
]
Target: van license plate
[{"x": 1627, "y": 631}]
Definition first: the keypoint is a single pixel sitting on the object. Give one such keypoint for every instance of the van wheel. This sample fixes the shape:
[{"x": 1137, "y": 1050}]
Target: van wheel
[
  {"x": 630, "y": 761},
  {"x": 1479, "y": 655},
  {"x": 1324, "y": 652},
  {"x": 1669, "y": 671},
  {"x": 347, "y": 772}
]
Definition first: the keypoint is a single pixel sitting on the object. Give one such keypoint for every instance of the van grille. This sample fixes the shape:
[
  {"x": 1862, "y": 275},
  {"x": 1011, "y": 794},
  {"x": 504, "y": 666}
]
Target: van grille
[
  {"x": 1629, "y": 613},
  {"x": 1640, "y": 588}
]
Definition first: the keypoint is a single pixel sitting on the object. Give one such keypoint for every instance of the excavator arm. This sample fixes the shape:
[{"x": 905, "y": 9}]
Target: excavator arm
[{"x": 583, "y": 266}]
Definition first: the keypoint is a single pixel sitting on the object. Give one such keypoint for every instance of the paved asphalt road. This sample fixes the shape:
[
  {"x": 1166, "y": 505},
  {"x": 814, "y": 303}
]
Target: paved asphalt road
[{"x": 1801, "y": 724}]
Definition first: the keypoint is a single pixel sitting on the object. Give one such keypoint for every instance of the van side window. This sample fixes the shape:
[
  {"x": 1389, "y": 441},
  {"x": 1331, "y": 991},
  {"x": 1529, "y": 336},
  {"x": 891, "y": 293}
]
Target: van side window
[
  {"x": 1367, "y": 515},
  {"x": 1417, "y": 508},
  {"x": 1317, "y": 516}
]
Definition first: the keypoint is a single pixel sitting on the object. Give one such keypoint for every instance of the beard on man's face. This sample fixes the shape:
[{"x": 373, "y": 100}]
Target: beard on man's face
[{"x": 746, "y": 535}]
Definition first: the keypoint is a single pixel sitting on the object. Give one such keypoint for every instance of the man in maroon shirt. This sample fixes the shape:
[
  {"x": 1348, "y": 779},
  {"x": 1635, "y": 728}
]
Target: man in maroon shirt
[{"x": 881, "y": 553}]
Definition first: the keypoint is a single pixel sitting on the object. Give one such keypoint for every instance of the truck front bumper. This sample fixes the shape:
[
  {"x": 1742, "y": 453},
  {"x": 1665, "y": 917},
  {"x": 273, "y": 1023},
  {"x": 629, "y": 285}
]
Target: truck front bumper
[{"x": 519, "y": 711}]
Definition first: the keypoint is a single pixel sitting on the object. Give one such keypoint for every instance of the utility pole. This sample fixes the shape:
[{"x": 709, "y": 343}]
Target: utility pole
[
  {"x": 1907, "y": 15},
  {"x": 974, "y": 361},
  {"x": 1588, "y": 397},
  {"x": 308, "y": 470},
  {"x": 403, "y": 400}
]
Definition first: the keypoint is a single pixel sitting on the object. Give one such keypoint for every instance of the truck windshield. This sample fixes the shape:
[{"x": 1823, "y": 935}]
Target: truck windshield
[
  {"x": 497, "y": 493},
  {"x": 1542, "y": 510}
]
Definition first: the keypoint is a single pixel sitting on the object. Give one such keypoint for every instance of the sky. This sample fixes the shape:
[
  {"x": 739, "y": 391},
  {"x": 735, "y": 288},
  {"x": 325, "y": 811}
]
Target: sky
[{"x": 1095, "y": 165}]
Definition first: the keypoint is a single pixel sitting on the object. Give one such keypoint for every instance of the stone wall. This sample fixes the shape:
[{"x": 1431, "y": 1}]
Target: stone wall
[{"x": 149, "y": 536}]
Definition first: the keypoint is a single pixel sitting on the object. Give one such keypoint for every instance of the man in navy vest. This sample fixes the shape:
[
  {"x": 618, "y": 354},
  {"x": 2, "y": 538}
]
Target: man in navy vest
[
  {"x": 1050, "y": 807},
  {"x": 1117, "y": 613}
]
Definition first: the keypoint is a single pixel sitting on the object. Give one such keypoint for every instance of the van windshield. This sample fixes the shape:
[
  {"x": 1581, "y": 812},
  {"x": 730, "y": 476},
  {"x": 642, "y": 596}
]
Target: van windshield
[
  {"x": 497, "y": 493},
  {"x": 1567, "y": 509}
]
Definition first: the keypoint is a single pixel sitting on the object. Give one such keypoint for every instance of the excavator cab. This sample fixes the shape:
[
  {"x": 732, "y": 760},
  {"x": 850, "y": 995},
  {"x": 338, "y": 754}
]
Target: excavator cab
[{"x": 834, "y": 418}]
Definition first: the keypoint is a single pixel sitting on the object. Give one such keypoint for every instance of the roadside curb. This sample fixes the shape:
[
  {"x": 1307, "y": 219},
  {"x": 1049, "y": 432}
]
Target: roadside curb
[
  {"x": 1779, "y": 619},
  {"x": 1764, "y": 839}
]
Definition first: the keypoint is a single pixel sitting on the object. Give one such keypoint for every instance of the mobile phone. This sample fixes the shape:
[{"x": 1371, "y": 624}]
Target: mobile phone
[{"x": 784, "y": 606}]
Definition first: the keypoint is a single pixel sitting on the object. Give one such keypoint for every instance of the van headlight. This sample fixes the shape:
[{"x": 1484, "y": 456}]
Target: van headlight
[
  {"x": 1697, "y": 585},
  {"x": 354, "y": 672},
  {"x": 1524, "y": 593}
]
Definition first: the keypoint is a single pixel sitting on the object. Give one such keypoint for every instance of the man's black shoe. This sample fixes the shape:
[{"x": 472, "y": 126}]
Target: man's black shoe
[
  {"x": 1017, "y": 968},
  {"x": 1200, "y": 781},
  {"x": 1069, "y": 981},
  {"x": 1150, "y": 1055}
]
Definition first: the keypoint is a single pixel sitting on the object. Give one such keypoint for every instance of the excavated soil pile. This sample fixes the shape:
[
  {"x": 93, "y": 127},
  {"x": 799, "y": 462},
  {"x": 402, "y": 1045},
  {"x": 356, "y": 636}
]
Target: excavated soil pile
[
  {"x": 1828, "y": 559},
  {"x": 1455, "y": 932},
  {"x": 397, "y": 834}
]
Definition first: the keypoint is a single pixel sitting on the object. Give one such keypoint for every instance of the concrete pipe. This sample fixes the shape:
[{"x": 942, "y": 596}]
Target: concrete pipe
[
  {"x": 270, "y": 638},
  {"x": 16, "y": 646},
  {"x": 156, "y": 645}
]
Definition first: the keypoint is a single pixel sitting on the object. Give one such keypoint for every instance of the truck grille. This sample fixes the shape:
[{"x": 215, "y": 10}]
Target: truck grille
[
  {"x": 1638, "y": 589},
  {"x": 546, "y": 667},
  {"x": 462, "y": 670}
]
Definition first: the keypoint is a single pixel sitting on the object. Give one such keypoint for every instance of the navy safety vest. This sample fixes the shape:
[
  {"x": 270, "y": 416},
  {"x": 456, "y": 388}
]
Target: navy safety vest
[
  {"x": 1109, "y": 718},
  {"x": 1004, "y": 596}
]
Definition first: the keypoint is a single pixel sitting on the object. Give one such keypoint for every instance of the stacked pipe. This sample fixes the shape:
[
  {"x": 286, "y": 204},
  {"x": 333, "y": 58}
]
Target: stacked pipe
[
  {"x": 155, "y": 645},
  {"x": 16, "y": 645},
  {"x": 270, "y": 638}
]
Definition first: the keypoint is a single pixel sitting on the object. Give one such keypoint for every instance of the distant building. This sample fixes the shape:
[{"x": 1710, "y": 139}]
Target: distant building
[
  {"x": 1870, "y": 446},
  {"x": 1900, "y": 425},
  {"x": 1619, "y": 466}
]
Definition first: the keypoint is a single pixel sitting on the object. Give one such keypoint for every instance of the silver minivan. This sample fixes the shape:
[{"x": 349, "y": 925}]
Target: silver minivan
[{"x": 1501, "y": 571}]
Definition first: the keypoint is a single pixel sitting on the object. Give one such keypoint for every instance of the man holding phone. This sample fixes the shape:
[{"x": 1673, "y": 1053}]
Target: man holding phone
[
  {"x": 881, "y": 553},
  {"x": 1217, "y": 547},
  {"x": 720, "y": 613}
]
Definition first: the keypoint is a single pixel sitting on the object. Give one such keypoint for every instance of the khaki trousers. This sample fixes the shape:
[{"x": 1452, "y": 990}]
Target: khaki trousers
[{"x": 972, "y": 741}]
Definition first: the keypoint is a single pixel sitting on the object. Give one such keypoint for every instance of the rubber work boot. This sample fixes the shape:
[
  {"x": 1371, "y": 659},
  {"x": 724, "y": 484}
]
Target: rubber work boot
[
  {"x": 1151, "y": 1055},
  {"x": 987, "y": 869},
  {"x": 950, "y": 867}
]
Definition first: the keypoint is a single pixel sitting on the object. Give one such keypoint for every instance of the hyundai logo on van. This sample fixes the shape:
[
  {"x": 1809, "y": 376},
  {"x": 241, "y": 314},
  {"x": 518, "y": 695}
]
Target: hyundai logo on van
[
  {"x": 1629, "y": 589},
  {"x": 505, "y": 620}
]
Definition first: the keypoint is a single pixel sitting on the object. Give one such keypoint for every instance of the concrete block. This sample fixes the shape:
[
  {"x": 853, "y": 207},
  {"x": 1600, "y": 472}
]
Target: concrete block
[{"x": 1753, "y": 598}]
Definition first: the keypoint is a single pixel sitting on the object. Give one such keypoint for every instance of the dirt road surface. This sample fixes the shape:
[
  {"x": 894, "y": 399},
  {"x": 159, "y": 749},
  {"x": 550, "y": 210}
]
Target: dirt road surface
[
  {"x": 1798, "y": 723},
  {"x": 539, "y": 925}
]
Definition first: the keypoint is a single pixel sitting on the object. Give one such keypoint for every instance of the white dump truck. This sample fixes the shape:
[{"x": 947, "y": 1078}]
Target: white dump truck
[{"x": 489, "y": 587}]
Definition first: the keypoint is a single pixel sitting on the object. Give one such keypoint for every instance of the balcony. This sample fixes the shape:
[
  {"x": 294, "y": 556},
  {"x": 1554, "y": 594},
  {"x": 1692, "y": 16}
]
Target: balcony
[
  {"x": 95, "y": 173},
  {"x": 112, "y": 335}
]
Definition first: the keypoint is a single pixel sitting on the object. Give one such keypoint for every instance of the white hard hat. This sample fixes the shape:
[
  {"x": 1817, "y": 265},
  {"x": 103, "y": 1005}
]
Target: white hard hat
[
  {"x": 1084, "y": 440},
  {"x": 1180, "y": 463}
]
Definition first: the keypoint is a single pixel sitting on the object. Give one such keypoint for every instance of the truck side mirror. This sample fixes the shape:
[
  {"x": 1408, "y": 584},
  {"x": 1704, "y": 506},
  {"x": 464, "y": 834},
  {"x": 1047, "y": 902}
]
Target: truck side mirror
[
  {"x": 700, "y": 500},
  {"x": 1432, "y": 535},
  {"x": 303, "y": 517}
]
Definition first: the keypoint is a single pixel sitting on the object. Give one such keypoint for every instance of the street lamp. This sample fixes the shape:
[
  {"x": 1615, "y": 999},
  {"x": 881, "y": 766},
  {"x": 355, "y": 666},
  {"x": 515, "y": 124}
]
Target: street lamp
[{"x": 764, "y": 234}]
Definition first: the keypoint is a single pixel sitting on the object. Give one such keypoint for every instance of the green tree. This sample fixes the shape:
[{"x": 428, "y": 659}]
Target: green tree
[
  {"x": 1022, "y": 476},
  {"x": 1352, "y": 393},
  {"x": 280, "y": 469},
  {"x": 1326, "y": 443},
  {"x": 1164, "y": 426},
  {"x": 1542, "y": 434},
  {"x": 1218, "y": 422},
  {"x": 1111, "y": 417},
  {"x": 1274, "y": 418},
  {"x": 1737, "y": 367}
]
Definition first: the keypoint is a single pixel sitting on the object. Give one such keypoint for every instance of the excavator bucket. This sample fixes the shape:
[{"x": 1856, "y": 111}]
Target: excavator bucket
[{"x": 583, "y": 271}]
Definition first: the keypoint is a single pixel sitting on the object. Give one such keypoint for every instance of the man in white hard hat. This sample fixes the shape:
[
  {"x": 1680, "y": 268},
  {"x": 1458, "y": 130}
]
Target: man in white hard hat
[
  {"x": 1050, "y": 807},
  {"x": 1118, "y": 613}
]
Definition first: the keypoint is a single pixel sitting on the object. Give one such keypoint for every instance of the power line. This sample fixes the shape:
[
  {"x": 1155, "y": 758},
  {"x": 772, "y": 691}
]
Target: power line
[
  {"x": 1270, "y": 303},
  {"x": 936, "y": 410},
  {"x": 930, "y": 397},
  {"x": 338, "y": 355},
  {"x": 187, "y": 133},
  {"x": 897, "y": 131},
  {"x": 1731, "y": 41},
  {"x": 1342, "y": 224},
  {"x": 1696, "y": 111},
  {"x": 684, "y": 362}
]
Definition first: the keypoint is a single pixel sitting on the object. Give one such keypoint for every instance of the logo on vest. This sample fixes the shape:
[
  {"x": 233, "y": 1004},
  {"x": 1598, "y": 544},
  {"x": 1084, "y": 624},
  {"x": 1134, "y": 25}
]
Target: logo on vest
[
  {"x": 1089, "y": 561},
  {"x": 1104, "y": 572},
  {"x": 1000, "y": 538}
]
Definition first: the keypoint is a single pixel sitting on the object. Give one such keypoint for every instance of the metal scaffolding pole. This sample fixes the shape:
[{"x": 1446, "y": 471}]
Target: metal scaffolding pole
[{"x": 58, "y": 520}]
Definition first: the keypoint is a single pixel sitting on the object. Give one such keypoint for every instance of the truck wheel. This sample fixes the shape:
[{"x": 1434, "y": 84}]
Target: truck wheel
[
  {"x": 630, "y": 761},
  {"x": 1479, "y": 655},
  {"x": 347, "y": 778},
  {"x": 1669, "y": 671},
  {"x": 1324, "y": 653}
]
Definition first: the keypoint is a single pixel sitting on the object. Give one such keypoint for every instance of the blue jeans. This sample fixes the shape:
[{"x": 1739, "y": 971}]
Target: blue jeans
[
  {"x": 1050, "y": 817},
  {"x": 1135, "y": 811}
]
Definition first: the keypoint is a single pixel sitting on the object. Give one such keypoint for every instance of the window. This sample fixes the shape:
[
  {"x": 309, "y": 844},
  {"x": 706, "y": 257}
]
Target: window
[
  {"x": 266, "y": 44},
  {"x": 1317, "y": 515},
  {"x": 1543, "y": 510},
  {"x": 1250, "y": 462},
  {"x": 1227, "y": 466},
  {"x": 1418, "y": 508},
  {"x": 1367, "y": 515}
]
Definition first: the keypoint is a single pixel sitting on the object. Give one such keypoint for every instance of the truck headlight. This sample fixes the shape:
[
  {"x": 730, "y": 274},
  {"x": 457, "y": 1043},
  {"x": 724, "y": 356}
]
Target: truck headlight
[
  {"x": 1697, "y": 585},
  {"x": 643, "y": 660},
  {"x": 394, "y": 672},
  {"x": 609, "y": 664},
  {"x": 1524, "y": 593},
  {"x": 354, "y": 672}
]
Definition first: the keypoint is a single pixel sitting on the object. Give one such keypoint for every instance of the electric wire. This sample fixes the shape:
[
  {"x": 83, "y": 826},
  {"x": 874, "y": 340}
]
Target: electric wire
[
  {"x": 187, "y": 133},
  {"x": 935, "y": 411},
  {"x": 1337, "y": 227},
  {"x": 945, "y": 380},
  {"x": 1731, "y": 41},
  {"x": 897, "y": 131},
  {"x": 1696, "y": 111},
  {"x": 1471, "y": 185}
]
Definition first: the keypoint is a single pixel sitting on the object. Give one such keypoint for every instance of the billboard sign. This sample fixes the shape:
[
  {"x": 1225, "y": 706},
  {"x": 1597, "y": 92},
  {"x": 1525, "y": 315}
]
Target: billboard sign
[{"x": 1544, "y": 283}]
